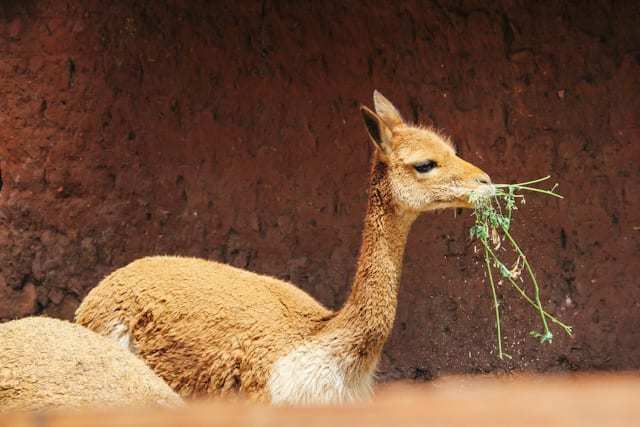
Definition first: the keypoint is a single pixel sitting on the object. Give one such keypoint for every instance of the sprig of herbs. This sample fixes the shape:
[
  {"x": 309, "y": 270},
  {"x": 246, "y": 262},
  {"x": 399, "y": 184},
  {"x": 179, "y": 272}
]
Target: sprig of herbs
[{"x": 493, "y": 221}]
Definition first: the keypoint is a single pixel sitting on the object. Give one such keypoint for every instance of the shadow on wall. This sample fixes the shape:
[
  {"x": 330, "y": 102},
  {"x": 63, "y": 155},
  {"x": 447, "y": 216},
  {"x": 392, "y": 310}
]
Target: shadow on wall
[{"x": 9, "y": 7}]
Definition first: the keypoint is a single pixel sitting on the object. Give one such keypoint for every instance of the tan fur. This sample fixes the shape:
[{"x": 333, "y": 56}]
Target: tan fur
[
  {"x": 212, "y": 329},
  {"x": 52, "y": 364}
]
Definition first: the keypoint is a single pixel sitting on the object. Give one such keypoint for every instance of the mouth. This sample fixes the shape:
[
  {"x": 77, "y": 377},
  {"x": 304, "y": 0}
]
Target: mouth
[
  {"x": 486, "y": 190},
  {"x": 476, "y": 196},
  {"x": 466, "y": 197}
]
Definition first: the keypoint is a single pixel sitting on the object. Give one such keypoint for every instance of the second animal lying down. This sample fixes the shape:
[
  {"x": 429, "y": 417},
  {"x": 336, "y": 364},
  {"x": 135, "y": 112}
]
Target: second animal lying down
[
  {"x": 48, "y": 364},
  {"x": 212, "y": 329}
]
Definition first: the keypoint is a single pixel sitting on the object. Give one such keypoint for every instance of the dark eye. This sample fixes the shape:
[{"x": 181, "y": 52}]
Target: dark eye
[{"x": 426, "y": 166}]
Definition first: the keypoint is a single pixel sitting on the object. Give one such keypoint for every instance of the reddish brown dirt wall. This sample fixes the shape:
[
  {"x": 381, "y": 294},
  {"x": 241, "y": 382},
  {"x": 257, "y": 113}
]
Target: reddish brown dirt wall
[{"x": 231, "y": 131}]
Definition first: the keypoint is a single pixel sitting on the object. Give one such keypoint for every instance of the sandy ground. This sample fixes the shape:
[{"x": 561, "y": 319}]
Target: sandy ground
[{"x": 570, "y": 400}]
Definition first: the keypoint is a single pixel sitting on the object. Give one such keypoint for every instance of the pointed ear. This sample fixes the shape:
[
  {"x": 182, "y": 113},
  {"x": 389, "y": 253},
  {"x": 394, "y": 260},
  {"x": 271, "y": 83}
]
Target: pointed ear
[
  {"x": 379, "y": 132},
  {"x": 386, "y": 110}
]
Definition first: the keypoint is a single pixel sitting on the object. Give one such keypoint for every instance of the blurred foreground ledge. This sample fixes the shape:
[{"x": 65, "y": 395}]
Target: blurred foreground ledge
[{"x": 563, "y": 400}]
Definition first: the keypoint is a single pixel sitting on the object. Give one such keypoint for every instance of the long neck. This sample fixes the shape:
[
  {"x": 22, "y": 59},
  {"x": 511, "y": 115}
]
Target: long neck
[{"x": 370, "y": 309}]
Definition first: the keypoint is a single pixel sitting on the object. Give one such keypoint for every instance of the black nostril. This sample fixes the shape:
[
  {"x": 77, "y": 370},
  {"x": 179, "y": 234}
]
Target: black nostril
[{"x": 484, "y": 180}]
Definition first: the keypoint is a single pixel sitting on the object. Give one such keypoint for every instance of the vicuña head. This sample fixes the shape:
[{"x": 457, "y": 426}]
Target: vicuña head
[
  {"x": 420, "y": 166},
  {"x": 212, "y": 329}
]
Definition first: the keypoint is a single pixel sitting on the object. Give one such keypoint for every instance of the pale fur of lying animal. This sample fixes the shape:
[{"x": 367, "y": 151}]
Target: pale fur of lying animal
[{"x": 48, "y": 364}]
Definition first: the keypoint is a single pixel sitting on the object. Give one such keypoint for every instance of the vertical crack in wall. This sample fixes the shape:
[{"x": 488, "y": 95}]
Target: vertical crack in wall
[{"x": 71, "y": 67}]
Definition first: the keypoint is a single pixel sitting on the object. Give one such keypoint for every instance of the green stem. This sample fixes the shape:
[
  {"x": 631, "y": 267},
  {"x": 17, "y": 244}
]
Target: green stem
[
  {"x": 537, "y": 190},
  {"x": 526, "y": 186},
  {"x": 533, "y": 279},
  {"x": 495, "y": 300},
  {"x": 535, "y": 181},
  {"x": 566, "y": 328},
  {"x": 521, "y": 291}
]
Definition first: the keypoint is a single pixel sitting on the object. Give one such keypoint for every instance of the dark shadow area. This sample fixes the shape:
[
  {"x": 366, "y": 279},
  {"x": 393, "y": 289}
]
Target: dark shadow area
[{"x": 10, "y": 8}]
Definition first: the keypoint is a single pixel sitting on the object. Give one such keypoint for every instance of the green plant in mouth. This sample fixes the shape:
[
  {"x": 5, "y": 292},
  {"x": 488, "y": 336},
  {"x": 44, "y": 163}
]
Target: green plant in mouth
[{"x": 493, "y": 220}]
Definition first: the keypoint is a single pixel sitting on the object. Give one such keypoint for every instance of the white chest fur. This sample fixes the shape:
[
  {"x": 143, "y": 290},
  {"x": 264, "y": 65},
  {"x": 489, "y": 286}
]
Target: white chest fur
[{"x": 316, "y": 374}]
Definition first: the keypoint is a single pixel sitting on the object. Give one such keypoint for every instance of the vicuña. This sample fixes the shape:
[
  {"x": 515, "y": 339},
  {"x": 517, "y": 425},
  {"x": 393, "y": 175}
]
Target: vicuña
[{"x": 212, "y": 329}]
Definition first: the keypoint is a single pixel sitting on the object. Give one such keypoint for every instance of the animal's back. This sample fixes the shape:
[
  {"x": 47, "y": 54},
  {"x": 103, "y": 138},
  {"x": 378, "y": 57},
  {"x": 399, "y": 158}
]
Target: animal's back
[
  {"x": 48, "y": 363},
  {"x": 237, "y": 322}
]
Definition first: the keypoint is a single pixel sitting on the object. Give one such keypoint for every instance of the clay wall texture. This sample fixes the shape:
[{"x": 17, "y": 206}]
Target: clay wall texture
[{"x": 231, "y": 131}]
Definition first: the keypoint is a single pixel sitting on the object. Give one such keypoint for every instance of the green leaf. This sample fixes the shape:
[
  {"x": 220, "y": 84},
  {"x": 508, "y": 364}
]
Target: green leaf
[{"x": 547, "y": 336}]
